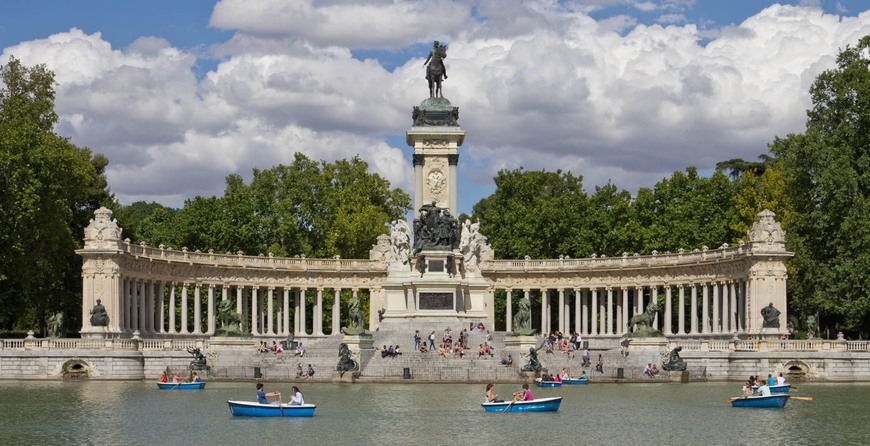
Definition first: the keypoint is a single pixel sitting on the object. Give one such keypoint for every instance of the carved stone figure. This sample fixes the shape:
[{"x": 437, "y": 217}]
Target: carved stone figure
[
  {"x": 674, "y": 363},
  {"x": 54, "y": 325},
  {"x": 229, "y": 319},
  {"x": 199, "y": 362},
  {"x": 641, "y": 325},
  {"x": 99, "y": 317},
  {"x": 771, "y": 316},
  {"x": 436, "y": 71},
  {"x": 813, "y": 325},
  {"x": 400, "y": 242},
  {"x": 534, "y": 365},
  {"x": 102, "y": 231},
  {"x": 357, "y": 325},
  {"x": 523, "y": 319},
  {"x": 345, "y": 362}
]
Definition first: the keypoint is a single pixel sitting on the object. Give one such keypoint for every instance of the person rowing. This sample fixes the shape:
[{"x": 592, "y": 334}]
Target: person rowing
[
  {"x": 524, "y": 394},
  {"x": 262, "y": 396}
]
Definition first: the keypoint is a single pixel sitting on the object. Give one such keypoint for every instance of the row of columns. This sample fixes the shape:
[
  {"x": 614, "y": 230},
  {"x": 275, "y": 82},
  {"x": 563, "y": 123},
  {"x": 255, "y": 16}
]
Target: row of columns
[
  {"x": 607, "y": 311},
  {"x": 149, "y": 307}
]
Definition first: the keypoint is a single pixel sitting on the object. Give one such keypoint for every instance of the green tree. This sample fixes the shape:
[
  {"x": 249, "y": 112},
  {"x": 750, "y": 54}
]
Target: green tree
[
  {"x": 536, "y": 213},
  {"x": 48, "y": 191},
  {"x": 826, "y": 171}
]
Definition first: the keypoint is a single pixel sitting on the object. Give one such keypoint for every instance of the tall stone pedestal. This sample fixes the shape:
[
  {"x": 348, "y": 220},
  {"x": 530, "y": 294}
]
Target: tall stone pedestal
[{"x": 360, "y": 342}]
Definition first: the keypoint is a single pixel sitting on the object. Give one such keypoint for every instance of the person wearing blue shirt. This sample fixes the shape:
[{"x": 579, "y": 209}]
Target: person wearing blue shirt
[
  {"x": 262, "y": 395},
  {"x": 197, "y": 378},
  {"x": 771, "y": 381}
]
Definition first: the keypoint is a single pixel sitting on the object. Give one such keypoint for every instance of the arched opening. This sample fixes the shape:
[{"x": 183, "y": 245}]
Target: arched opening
[
  {"x": 795, "y": 371},
  {"x": 75, "y": 370}
]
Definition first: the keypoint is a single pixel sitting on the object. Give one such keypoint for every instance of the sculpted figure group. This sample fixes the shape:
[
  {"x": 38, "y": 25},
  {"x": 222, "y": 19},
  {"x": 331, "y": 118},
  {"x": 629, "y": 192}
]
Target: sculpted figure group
[{"x": 434, "y": 229}]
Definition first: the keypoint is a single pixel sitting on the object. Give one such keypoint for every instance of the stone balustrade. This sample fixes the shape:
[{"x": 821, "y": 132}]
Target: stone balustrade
[{"x": 102, "y": 344}]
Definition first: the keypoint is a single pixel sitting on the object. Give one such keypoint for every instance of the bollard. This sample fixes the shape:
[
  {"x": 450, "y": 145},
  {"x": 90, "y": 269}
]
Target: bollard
[
  {"x": 257, "y": 373},
  {"x": 620, "y": 373},
  {"x": 406, "y": 373},
  {"x": 684, "y": 377}
]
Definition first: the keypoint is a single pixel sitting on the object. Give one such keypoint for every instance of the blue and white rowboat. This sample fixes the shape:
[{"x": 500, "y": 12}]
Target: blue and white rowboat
[
  {"x": 778, "y": 401},
  {"x": 254, "y": 409},
  {"x": 785, "y": 388},
  {"x": 541, "y": 383},
  {"x": 536, "y": 405},
  {"x": 181, "y": 386},
  {"x": 575, "y": 381}
]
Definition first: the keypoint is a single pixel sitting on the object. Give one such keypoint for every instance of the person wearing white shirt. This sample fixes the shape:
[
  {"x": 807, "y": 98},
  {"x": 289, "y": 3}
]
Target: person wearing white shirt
[
  {"x": 780, "y": 380},
  {"x": 297, "y": 399}
]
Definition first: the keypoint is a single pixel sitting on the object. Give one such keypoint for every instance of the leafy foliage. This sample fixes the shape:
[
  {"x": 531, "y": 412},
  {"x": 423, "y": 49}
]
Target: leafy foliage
[{"x": 49, "y": 188}]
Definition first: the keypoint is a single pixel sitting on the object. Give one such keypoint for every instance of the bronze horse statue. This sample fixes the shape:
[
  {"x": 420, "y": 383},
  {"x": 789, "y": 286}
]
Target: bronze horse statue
[{"x": 436, "y": 71}]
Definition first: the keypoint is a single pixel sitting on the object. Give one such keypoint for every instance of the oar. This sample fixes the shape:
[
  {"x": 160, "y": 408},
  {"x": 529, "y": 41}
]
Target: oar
[
  {"x": 508, "y": 407},
  {"x": 803, "y": 398}
]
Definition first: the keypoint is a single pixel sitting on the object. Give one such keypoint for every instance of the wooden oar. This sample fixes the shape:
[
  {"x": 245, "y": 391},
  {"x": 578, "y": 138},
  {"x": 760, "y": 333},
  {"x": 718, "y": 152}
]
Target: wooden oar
[
  {"x": 280, "y": 407},
  {"x": 508, "y": 407},
  {"x": 802, "y": 398}
]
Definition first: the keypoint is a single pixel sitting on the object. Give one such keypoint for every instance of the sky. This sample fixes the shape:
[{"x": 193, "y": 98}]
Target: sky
[{"x": 180, "y": 94}]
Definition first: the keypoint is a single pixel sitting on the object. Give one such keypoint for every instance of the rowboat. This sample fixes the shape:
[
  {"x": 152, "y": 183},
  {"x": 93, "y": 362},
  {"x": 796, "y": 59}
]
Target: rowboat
[
  {"x": 254, "y": 409},
  {"x": 181, "y": 386},
  {"x": 785, "y": 388},
  {"x": 537, "y": 405},
  {"x": 541, "y": 383},
  {"x": 778, "y": 400},
  {"x": 575, "y": 381}
]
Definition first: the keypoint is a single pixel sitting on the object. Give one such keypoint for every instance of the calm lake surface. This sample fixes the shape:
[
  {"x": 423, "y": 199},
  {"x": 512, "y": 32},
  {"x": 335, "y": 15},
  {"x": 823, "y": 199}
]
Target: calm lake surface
[{"x": 136, "y": 413}]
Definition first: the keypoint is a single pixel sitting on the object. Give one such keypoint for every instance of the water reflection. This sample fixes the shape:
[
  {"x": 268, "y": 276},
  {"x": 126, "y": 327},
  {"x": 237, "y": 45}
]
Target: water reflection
[{"x": 137, "y": 413}]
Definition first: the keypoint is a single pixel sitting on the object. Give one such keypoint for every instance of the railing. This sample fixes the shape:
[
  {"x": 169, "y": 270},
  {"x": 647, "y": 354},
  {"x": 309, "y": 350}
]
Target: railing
[
  {"x": 260, "y": 261},
  {"x": 102, "y": 344}
]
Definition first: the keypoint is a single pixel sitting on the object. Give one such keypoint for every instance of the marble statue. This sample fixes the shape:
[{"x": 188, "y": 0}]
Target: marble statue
[{"x": 54, "y": 325}]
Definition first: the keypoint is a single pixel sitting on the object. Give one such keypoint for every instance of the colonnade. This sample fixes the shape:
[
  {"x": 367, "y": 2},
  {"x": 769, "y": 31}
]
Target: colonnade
[
  {"x": 702, "y": 308},
  {"x": 157, "y": 307}
]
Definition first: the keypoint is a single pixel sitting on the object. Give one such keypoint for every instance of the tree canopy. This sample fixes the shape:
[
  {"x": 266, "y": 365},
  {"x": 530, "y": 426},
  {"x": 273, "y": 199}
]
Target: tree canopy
[
  {"x": 49, "y": 189},
  {"x": 826, "y": 172}
]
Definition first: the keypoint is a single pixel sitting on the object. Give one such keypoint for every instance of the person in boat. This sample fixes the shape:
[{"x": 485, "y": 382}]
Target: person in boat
[
  {"x": 563, "y": 375},
  {"x": 196, "y": 378},
  {"x": 262, "y": 396},
  {"x": 764, "y": 389},
  {"x": 163, "y": 377},
  {"x": 583, "y": 375},
  {"x": 491, "y": 396},
  {"x": 545, "y": 376},
  {"x": 296, "y": 399},
  {"x": 771, "y": 381},
  {"x": 175, "y": 378},
  {"x": 557, "y": 378},
  {"x": 780, "y": 380},
  {"x": 746, "y": 391},
  {"x": 524, "y": 394}
]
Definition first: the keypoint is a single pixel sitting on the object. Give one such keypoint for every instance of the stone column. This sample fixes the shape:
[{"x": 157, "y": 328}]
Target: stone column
[
  {"x": 210, "y": 322},
  {"x": 583, "y": 319},
  {"x": 593, "y": 320},
  {"x": 694, "y": 308},
  {"x": 509, "y": 311},
  {"x": 255, "y": 311},
  {"x": 741, "y": 306},
  {"x": 609, "y": 311},
  {"x": 147, "y": 312},
  {"x": 297, "y": 310},
  {"x": 410, "y": 300},
  {"x": 183, "y": 309},
  {"x": 681, "y": 312},
  {"x": 134, "y": 304},
  {"x": 733, "y": 307},
  {"x": 270, "y": 319},
  {"x": 197, "y": 309},
  {"x": 563, "y": 327},
  {"x": 336, "y": 307},
  {"x": 717, "y": 326},
  {"x": 171, "y": 308},
  {"x": 726, "y": 312},
  {"x": 705, "y": 308},
  {"x": 161, "y": 313},
  {"x": 285, "y": 325},
  {"x": 303, "y": 330},
  {"x": 639, "y": 300},
  {"x": 623, "y": 319},
  {"x": 578, "y": 314},
  {"x": 240, "y": 300},
  {"x": 545, "y": 297},
  {"x": 654, "y": 297},
  {"x": 668, "y": 310}
]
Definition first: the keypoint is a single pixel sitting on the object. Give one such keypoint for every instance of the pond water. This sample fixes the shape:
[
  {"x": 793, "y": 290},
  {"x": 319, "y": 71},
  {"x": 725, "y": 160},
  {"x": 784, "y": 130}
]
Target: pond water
[{"x": 136, "y": 413}]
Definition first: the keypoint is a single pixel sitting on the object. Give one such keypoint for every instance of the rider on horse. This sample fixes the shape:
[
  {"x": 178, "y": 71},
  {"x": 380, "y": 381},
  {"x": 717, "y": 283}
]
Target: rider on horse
[{"x": 437, "y": 55}]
